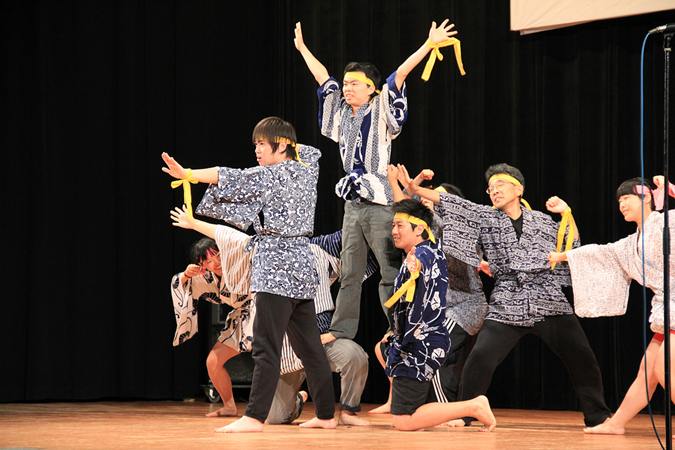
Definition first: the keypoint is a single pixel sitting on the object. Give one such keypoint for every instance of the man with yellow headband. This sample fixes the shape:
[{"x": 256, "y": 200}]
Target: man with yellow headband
[
  {"x": 420, "y": 341},
  {"x": 527, "y": 297},
  {"x": 364, "y": 121},
  {"x": 278, "y": 198}
]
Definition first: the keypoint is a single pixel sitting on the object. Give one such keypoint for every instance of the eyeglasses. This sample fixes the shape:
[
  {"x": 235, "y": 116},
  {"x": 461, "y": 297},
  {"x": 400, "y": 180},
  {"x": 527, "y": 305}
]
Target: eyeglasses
[{"x": 499, "y": 185}]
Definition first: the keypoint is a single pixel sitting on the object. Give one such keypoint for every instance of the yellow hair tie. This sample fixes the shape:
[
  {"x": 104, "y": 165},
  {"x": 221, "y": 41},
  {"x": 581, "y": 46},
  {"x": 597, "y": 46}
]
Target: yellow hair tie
[
  {"x": 566, "y": 222},
  {"x": 360, "y": 76},
  {"x": 436, "y": 53},
  {"x": 416, "y": 221},
  {"x": 284, "y": 140},
  {"x": 187, "y": 193},
  {"x": 407, "y": 288}
]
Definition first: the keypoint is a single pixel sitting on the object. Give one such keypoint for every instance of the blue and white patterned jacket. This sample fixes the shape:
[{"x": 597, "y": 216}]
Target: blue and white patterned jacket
[
  {"x": 279, "y": 200},
  {"x": 420, "y": 340}
]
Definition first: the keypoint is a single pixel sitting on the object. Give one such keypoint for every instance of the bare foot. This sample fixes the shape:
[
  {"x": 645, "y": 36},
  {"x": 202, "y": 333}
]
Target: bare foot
[
  {"x": 606, "y": 427},
  {"x": 327, "y": 338},
  {"x": 304, "y": 396},
  {"x": 350, "y": 418},
  {"x": 483, "y": 413},
  {"x": 229, "y": 409},
  {"x": 455, "y": 423},
  {"x": 242, "y": 425},
  {"x": 319, "y": 423},
  {"x": 382, "y": 409}
]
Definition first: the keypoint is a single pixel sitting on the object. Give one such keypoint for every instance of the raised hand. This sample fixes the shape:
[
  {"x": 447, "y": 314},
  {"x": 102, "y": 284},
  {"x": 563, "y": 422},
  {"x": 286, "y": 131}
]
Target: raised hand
[
  {"x": 298, "y": 40},
  {"x": 659, "y": 181},
  {"x": 556, "y": 205},
  {"x": 182, "y": 219},
  {"x": 442, "y": 32},
  {"x": 192, "y": 270},
  {"x": 173, "y": 168},
  {"x": 392, "y": 174}
]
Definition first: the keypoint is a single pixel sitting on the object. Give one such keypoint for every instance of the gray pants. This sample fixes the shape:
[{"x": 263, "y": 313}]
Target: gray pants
[
  {"x": 345, "y": 357},
  {"x": 364, "y": 225}
]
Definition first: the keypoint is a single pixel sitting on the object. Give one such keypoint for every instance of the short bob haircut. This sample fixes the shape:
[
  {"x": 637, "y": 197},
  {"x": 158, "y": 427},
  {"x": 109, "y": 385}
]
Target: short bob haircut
[
  {"x": 271, "y": 129},
  {"x": 630, "y": 187}
]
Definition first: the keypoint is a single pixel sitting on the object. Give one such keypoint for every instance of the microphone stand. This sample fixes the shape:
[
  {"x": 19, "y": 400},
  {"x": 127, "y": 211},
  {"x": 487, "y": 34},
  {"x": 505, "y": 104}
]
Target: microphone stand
[{"x": 666, "y": 241}]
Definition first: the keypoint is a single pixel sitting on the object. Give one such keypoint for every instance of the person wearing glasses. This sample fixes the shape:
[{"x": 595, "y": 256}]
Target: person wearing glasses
[
  {"x": 364, "y": 121},
  {"x": 527, "y": 297}
]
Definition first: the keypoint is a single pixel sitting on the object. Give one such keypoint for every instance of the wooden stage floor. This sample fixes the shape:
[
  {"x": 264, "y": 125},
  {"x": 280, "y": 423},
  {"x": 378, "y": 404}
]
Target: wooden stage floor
[{"x": 182, "y": 425}]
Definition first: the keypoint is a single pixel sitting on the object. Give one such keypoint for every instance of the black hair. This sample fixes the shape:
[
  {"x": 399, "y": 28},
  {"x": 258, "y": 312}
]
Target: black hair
[
  {"x": 507, "y": 169},
  {"x": 417, "y": 209},
  {"x": 452, "y": 189},
  {"x": 199, "y": 251},
  {"x": 368, "y": 69},
  {"x": 271, "y": 128},
  {"x": 629, "y": 187}
]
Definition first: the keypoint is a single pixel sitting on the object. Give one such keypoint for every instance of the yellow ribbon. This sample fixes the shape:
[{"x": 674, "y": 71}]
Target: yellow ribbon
[
  {"x": 436, "y": 53},
  {"x": 187, "y": 193},
  {"x": 566, "y": 222},
  {"x": 283, "y": 140},
  {"x": 416, "y": 221},
  {"x": 360, "y": 76},
  {"x": 407, "y": 288},
  {"x": 513, "y": 180}
]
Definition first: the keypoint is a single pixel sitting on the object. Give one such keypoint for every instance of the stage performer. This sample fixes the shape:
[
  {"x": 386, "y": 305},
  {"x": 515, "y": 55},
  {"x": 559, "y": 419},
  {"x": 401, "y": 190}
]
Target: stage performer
[
  {"x": 466, "y": 307},
  {"x": 419, "y": 341},
  {"x": 527, "y": 297},
  {"x": 279, "y": 198},
  {"x": 364, "y": 121},
  {"x": 601, "y": 277}
]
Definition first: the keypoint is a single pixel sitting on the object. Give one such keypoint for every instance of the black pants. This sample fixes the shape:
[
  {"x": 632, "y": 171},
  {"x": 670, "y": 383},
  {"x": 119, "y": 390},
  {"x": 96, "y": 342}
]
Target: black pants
[
  {"x": 564, "y": 336},
  {"x": 446, "y": 380},
  {"x": 275, "y": 315}
]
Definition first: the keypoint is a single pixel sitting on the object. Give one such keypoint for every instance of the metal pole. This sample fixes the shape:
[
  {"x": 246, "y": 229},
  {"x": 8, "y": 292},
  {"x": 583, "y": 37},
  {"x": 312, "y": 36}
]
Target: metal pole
[{"x": 666, "y": 240}]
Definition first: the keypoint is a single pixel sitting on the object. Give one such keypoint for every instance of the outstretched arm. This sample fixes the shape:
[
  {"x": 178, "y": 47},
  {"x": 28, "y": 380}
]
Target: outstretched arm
[
  {"x": 557, "y": 205},
  {"x": 176, "y": 170},
  {"x": 436, "y": 35},
  {"x": 182, "y": 219},
  {"x": 318, "y": 70},
  {"x": 413, "y": 187}
]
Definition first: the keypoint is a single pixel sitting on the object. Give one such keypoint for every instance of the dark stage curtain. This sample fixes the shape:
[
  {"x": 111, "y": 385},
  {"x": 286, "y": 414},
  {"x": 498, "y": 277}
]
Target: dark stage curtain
[{"x": 95, "y": 91}]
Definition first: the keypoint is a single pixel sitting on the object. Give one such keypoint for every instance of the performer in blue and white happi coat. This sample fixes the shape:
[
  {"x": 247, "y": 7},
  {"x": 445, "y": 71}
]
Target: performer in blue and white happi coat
[
  {"x": 527, "y": 297},
  {"x": 420, "y": 340},
  {"x": 279, "y": 198}
]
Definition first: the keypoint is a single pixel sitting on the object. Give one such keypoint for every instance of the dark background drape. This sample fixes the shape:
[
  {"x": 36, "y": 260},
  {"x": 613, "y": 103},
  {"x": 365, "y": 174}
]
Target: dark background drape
[{"x": 93, "y": 92}]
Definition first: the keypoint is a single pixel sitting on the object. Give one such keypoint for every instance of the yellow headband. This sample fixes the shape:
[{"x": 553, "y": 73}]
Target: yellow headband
[
  {"x": 512, "y": 180},
  {"x": 416, "y": 221},
  {"x": 440, "y": 189},
  {"x": 360, "y": 76},
  {"x": 505, "y": 177},
  {"x": 436, "y": 53}
]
